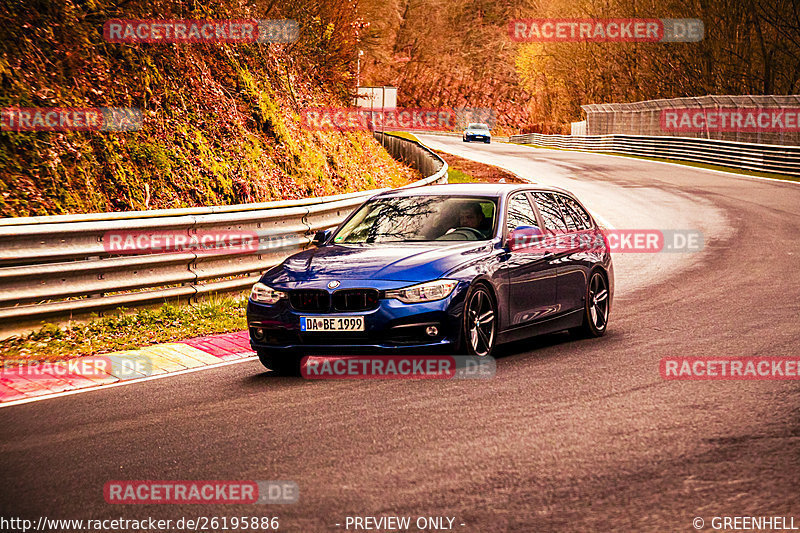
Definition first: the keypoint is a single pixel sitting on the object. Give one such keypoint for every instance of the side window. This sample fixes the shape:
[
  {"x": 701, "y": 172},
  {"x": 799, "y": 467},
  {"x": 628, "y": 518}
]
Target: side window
[
  {"x": 520, "y": 212},
  {"x": 576, "y": 217},
  {"x": 551, "y": 214},
  {"x": 488, "y": 213}
]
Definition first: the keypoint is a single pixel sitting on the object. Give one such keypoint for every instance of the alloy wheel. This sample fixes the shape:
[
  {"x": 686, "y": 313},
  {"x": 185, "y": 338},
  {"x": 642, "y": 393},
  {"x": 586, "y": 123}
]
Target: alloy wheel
[
  {"x": 598, "y": 301},
  {"x": 481, "y": 323}
]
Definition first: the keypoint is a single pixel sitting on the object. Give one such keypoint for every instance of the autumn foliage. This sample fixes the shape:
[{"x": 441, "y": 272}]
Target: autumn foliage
[
  {"x": 221, "y": 121},
  {"x": 459, "y": 53}
]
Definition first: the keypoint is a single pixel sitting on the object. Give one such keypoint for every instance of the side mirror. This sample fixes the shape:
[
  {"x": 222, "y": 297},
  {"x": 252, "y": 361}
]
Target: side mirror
[
  {"x": 524, "y": 237},
  {"x": 321, "y": 236}
]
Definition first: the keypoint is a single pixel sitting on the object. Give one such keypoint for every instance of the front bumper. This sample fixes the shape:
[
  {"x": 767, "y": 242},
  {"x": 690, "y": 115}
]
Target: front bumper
[
  {"x": 391, "y": 327},
  {"x": 483, "y": 138}
]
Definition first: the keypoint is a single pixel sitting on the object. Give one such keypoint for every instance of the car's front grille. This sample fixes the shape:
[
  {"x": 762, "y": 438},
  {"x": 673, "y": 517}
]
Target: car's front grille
[
  {"x": 355, "y": 299},
  {"x": 314, "y": 300},
  {"x": 319, "y": 301}
]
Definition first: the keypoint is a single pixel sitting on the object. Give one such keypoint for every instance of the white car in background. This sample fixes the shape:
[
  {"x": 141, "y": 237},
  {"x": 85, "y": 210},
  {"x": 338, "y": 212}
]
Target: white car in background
[{"x": 477, "y": 132}]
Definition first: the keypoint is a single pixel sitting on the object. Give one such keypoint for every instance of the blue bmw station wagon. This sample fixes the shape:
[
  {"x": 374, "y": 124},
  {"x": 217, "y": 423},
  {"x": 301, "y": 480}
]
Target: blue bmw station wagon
[{"x": 437, "y": 268}]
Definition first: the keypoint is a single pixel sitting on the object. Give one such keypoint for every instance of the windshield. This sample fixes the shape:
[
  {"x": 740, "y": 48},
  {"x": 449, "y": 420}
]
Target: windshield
[
  {"x": 420, "y": 219},
  {"x": 478, "y": 127}
]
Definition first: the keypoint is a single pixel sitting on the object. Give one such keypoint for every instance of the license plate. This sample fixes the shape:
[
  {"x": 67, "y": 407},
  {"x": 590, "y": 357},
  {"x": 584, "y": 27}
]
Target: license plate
[{"x": 338, "y": 323}]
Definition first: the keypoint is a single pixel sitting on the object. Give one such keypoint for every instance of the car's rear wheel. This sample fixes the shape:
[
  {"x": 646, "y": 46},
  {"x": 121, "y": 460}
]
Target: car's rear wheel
[
  {"x": 285, "y": 364},
  {"x": 480, "y": 322},
  {"x": 596, "y": 307}
]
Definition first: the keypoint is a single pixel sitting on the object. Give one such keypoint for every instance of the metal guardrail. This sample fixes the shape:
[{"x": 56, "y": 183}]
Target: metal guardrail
[
  {"x": 59, "y": 267},
  {"x": 746, "y": 156}
]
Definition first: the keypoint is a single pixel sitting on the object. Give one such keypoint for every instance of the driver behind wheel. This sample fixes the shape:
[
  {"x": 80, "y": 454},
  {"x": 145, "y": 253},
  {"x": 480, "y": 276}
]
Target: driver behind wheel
[
  {"x": 471, "y": 216},
  {"x": 464, "y": 222}
]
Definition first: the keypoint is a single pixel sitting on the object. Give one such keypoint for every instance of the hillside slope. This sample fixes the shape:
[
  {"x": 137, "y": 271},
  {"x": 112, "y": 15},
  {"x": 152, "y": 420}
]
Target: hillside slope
[{"x": 221, "y": 121}]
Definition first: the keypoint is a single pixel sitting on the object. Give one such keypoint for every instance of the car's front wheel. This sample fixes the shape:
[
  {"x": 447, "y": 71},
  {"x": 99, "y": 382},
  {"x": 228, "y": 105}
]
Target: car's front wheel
[
  {"x": 480, "y": 322},
  {"x": 285, "y": 364},
  {"x": 596, "y": 307}
]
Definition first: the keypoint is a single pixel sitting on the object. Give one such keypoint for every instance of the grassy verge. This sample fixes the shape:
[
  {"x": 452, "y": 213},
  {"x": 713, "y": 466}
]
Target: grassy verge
[
  {"x": 732, "y": 170},
  {"x": 457, "y": 176},
  {"x": 461, "y": 170},
  {"x": 404, "y": 135},
  {"x": 127, "y": 330}
]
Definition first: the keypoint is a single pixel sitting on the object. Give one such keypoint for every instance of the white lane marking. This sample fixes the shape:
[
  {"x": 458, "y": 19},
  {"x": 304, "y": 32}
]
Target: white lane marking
[
  {"x": 126, "y": 382},
  {"x": 684, "y": 166}
]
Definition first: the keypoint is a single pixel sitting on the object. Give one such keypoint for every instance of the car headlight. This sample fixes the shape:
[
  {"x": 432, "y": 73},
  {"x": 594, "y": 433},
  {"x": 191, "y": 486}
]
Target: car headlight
[
  {"x": 264, "y": 294},
  {"x": 424, "y": 292}
]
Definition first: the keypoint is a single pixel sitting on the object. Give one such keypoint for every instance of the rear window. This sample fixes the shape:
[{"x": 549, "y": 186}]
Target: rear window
[
  {"x": 575, "y": 216},
  {"x": 550, "y": 211}
]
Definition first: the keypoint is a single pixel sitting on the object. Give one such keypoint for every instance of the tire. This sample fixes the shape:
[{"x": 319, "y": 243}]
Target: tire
[
  {"x": 595, "y": 308},
  {"x": 479, "y": 325},
  {"x": 284, "y": 364},
  {"x": 488, "y": 142},
  {"x": 464, "y": 139}
]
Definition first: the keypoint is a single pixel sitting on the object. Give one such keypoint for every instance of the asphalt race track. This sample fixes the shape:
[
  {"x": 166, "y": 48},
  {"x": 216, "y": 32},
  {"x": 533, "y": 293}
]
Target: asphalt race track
[{"x": 570, "y": 435}]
